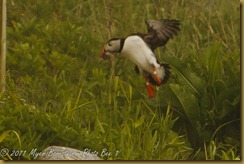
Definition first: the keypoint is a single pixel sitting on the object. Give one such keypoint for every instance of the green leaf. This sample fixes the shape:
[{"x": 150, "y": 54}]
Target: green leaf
[
  {"x": 139, "y": 122},
  {"x": 189, "y": 104},
  {"x": 7, "y": 133},
  {"x": 188, "y": 77},
  {"x": 214, "y": 62},
  {"x": 231, "y": 94}
]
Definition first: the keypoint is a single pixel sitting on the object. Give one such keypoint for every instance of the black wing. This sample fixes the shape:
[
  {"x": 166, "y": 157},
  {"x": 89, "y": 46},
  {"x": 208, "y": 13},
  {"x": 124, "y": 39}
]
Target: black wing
[{"x": 160, "y": 31}]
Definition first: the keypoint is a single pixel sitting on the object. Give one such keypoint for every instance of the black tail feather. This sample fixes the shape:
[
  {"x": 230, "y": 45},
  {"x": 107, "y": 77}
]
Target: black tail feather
[{"x": 167, "y": 73}]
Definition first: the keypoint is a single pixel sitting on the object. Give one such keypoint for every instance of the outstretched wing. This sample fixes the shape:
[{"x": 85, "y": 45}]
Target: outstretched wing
[{"x": 160, "y": 31}]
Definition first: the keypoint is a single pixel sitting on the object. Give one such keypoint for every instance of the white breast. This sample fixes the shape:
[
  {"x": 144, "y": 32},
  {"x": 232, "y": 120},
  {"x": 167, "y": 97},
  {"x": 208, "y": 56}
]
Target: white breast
[{"x": 136, "y": 50}]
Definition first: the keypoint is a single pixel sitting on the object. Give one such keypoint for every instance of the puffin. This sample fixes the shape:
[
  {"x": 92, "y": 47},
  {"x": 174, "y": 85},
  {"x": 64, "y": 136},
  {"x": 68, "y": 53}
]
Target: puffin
[{"x": 139, "y": 49}]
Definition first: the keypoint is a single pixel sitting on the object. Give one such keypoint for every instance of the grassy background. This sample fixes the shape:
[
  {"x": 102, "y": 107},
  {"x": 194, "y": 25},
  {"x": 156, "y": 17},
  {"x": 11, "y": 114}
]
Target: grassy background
[{"x": 60, "y": 93}]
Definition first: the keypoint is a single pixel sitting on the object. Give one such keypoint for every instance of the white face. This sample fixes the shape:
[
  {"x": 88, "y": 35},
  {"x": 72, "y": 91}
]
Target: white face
[{"x": 112, "y": 47}]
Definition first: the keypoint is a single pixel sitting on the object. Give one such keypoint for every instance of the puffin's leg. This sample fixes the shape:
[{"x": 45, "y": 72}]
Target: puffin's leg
[
  {"x": 150, "y": 88},
  {"x": 155, "y": 75}
]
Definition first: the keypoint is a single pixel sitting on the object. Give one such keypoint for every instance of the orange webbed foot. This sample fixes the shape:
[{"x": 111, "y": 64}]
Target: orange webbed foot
[{"x": 150, "y": 89}]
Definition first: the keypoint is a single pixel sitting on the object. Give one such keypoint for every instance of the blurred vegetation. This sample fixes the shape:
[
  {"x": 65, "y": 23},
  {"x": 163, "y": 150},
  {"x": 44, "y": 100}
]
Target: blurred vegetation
[{"x": 60, "y": 93}]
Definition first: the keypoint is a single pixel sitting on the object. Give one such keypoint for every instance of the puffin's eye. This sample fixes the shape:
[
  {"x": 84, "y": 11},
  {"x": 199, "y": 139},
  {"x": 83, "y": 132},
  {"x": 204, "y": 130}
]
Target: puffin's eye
[{"x": 109, "y": 44}]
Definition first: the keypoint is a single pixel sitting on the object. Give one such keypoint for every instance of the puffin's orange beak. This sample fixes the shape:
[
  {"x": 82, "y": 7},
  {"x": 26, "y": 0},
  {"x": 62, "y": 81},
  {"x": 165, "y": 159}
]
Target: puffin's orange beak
[
  {"x": 105, "y": 55},
  {"x": 102, "y": 53}
]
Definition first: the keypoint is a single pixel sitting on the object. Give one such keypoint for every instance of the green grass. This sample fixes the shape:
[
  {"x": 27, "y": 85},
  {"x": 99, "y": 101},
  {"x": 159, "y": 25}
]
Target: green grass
[{"x": 60, "y": 93}]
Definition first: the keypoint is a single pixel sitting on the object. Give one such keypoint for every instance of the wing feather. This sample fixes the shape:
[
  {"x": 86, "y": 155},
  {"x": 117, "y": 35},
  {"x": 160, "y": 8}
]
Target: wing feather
[{"x": 160, "y": 31}]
